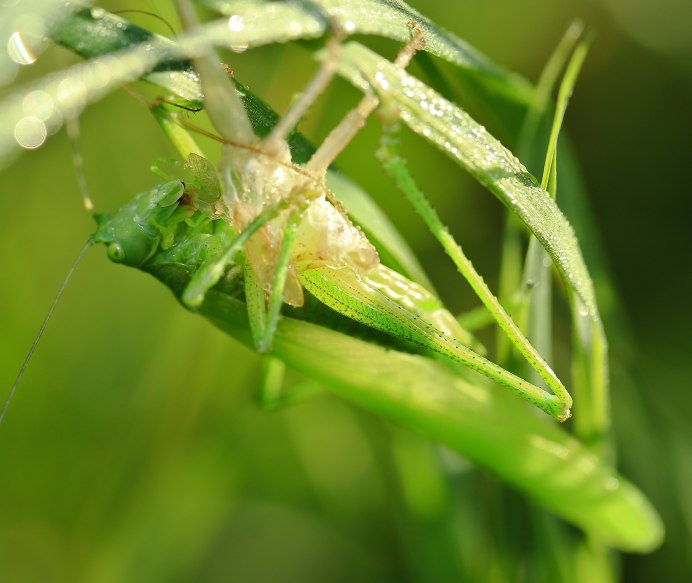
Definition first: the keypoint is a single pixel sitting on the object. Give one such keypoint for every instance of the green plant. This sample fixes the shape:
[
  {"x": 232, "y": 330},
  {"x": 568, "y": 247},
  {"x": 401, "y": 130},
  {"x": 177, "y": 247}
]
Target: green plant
[{"x": 492, "y": 430}]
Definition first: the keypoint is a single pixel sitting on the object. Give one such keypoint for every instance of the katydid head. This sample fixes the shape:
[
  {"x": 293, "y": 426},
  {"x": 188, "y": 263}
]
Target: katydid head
[
  {"x": 125, "y": 242},
  {"x": 133, "y": 233}
]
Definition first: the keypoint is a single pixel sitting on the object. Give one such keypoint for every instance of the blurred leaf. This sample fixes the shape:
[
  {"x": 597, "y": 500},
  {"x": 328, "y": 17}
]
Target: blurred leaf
[{"x": 492, "y": 428}]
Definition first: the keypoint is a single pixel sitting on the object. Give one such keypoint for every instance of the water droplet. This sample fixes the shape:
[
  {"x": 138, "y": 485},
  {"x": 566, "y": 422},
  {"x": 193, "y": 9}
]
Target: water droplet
[
  {"x": 235, "y": 23},
  {"x": 30, "y": 132},
  {"x": 238, "y": 46},
  {"x": 19, "y": 51},
  {"x": 348, "y": 26},
  {"x": 379, "y": 77},
  {"x": 97, "y": 13}
]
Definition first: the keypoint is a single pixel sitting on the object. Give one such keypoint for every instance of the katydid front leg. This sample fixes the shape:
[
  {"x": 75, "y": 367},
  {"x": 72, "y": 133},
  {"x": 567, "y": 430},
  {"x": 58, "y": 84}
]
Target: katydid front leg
[
  {"x": 210, "y": 274},
  {"x": 264, "y": 316}
]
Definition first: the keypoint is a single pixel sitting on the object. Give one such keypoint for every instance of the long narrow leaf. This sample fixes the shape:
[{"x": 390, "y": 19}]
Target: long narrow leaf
[{"x": 494, "y": 429}]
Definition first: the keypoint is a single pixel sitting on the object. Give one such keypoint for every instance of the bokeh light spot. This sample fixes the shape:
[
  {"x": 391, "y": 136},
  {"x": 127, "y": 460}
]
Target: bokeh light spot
[
  {"x": 30, "y": 132},
  {"x": 38, "y": 104}
]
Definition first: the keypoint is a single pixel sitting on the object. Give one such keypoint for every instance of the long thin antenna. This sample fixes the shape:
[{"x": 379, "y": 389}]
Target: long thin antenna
[{"x": 41, "y": 330}]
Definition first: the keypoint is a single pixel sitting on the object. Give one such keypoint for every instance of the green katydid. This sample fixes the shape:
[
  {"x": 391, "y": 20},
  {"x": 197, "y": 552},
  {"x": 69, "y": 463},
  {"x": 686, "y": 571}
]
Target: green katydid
[{"x": 292, "y": 236}]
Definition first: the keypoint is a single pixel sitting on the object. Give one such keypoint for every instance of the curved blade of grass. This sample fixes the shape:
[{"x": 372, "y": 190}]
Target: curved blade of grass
[
  {"x": 530, "y": 149},
  {"x": 386, "y": 18},
  {"x": 535, "y": 305},
  {"x": 489, "y": 427},
  {"x": 566, "y": 88},
  {"x": 591, "y": 388},
  {"x": 472, "y": 147}
]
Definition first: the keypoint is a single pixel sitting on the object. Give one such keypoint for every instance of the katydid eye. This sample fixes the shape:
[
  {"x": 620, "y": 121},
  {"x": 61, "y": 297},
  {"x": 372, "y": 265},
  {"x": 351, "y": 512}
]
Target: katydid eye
[{"x": 115, "y": 253}]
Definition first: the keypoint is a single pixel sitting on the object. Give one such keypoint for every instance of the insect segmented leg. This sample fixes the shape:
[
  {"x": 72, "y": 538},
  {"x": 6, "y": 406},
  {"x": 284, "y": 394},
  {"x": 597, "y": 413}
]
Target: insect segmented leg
[
  {"x": 276, "y": 296},
  {"x": 352, "y": 123},
  {"x": 395, "y": 167},
  {"x": 209, "y": 274},
  {"x": 361, "y": 299},
  {"x": 313, "y": 90},
  {"x": 264, "y": 315}
]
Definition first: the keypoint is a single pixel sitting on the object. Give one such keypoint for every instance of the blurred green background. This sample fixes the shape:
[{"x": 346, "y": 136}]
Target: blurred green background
[{"x": 134, "y": 450}]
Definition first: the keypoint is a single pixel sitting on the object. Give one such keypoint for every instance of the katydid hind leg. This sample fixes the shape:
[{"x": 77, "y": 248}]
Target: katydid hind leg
[
  {"x": 347, "y": 293},
  {"x": 395, "y": 166}
]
